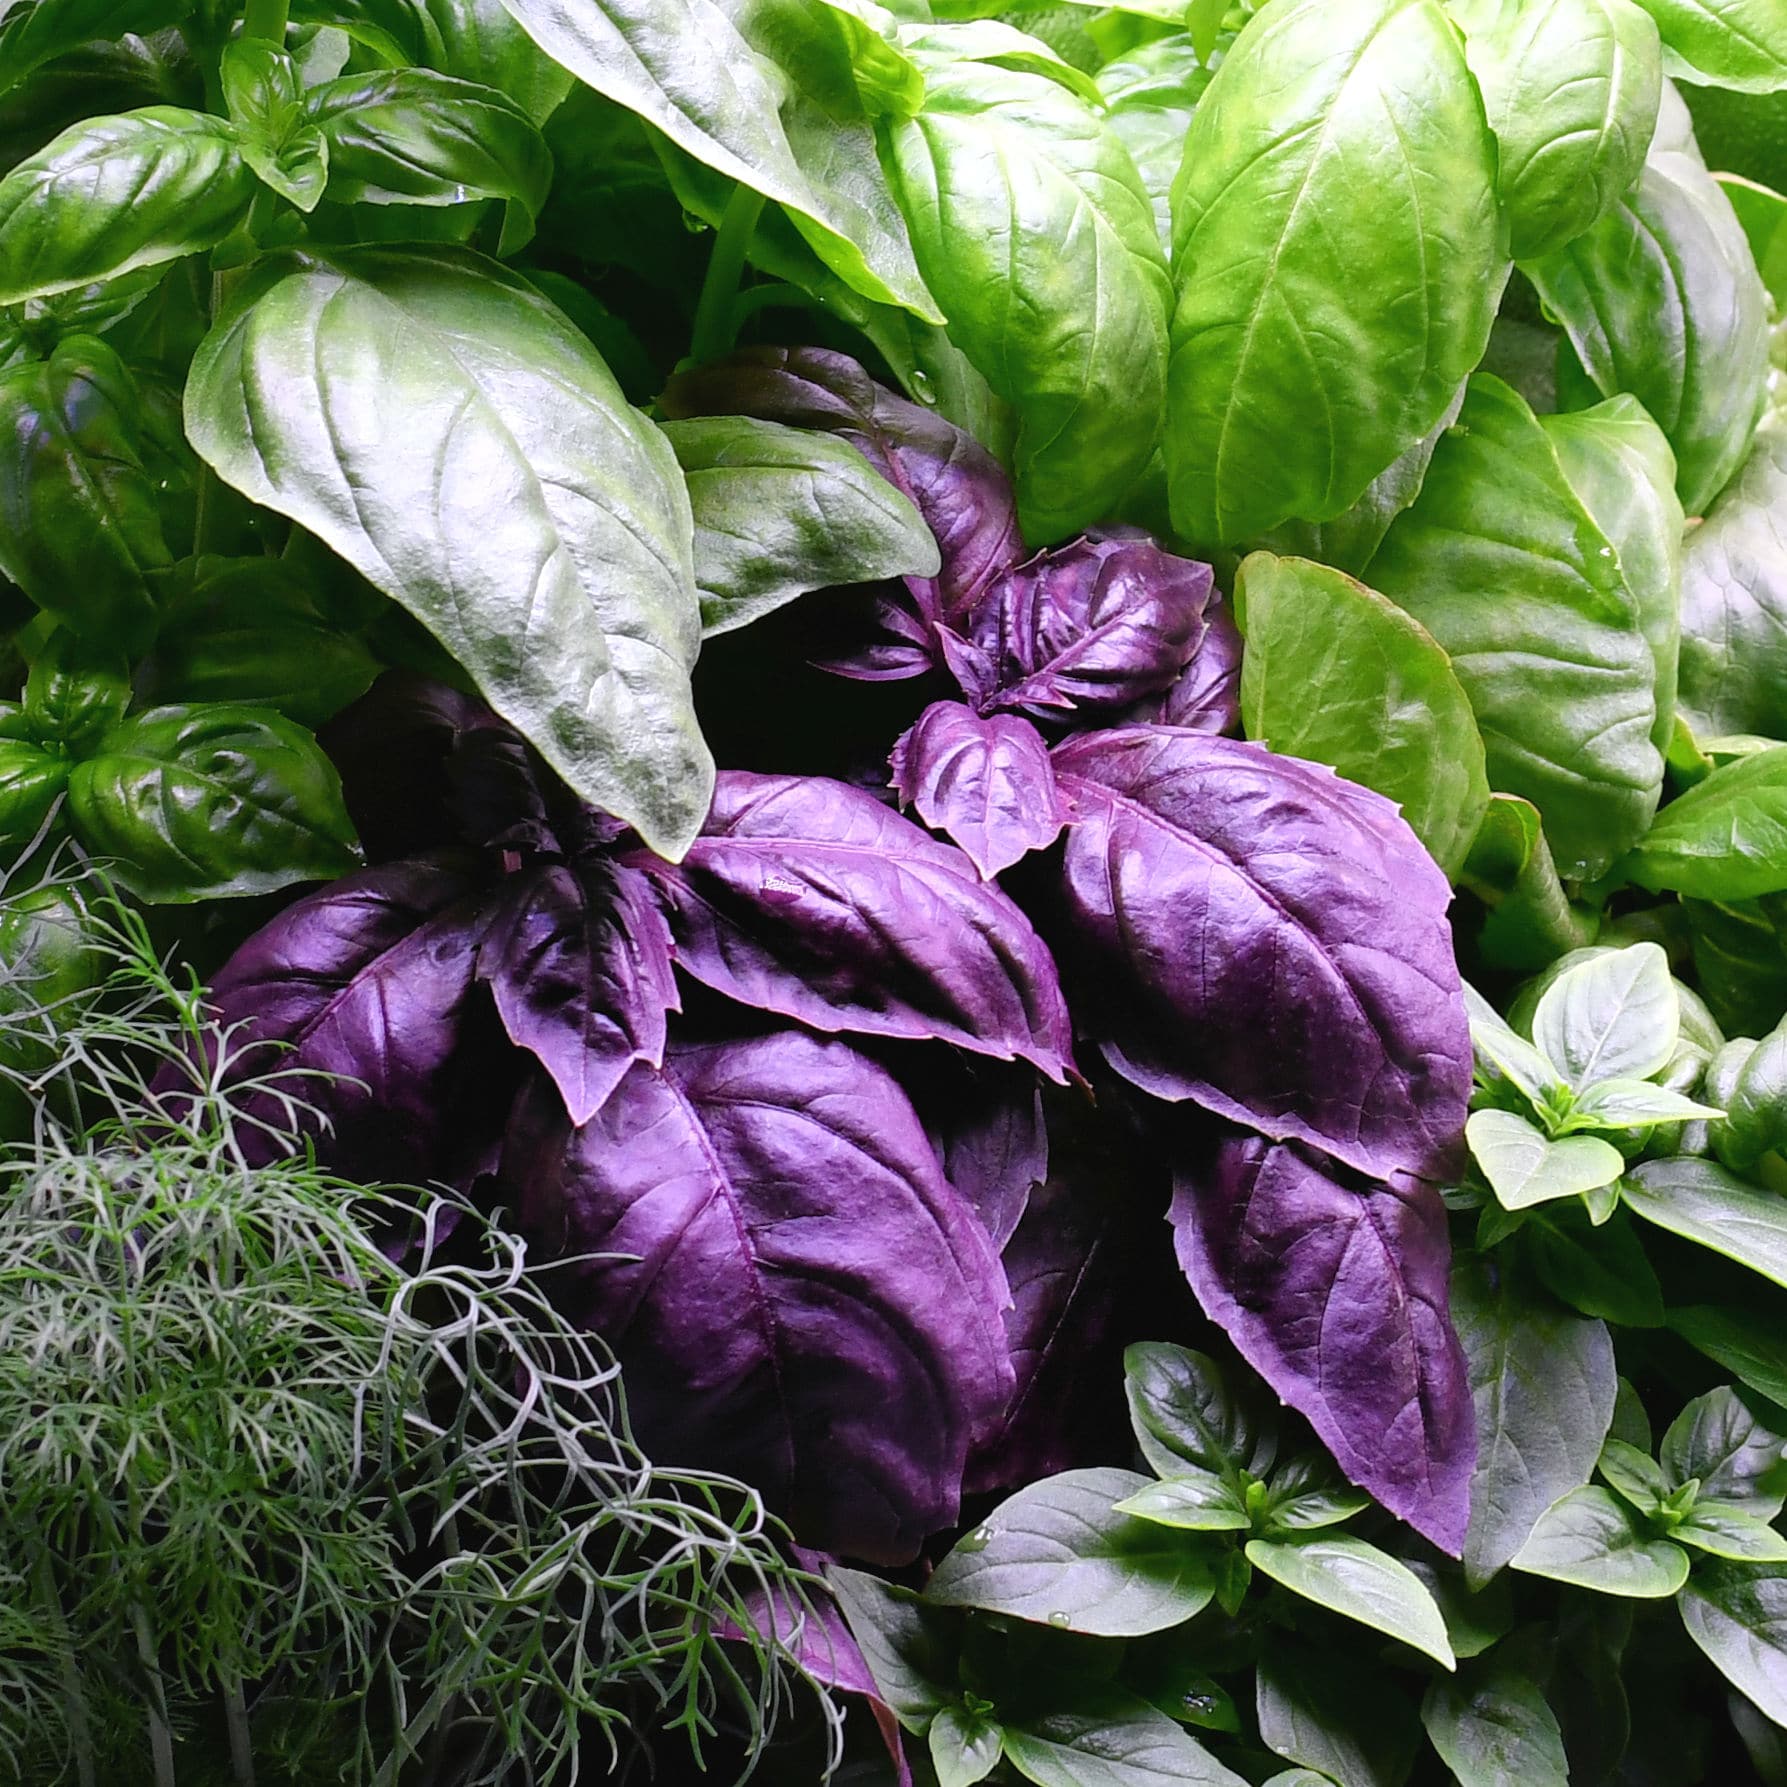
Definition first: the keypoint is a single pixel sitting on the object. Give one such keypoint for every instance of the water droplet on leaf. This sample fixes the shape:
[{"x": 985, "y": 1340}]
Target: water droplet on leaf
[
  {"x": 923, "y": 389},
  {"x": 1061, "y": 1621}
]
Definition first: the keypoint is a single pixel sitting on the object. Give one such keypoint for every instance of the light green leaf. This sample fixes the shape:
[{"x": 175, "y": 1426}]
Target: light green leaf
[
  {"x": 781, "y": 511},
  {"x": 1635, "y": 1475},
  {"x": 1727, "y": 43},
  {"x": 261, "y": 86},
  {"x": 1524, "y": 1168},
  {"x": 1727, "y": 1532},
  {"x": 1290, "y": 390},
  {"x": 1702, "y": 1202},
  {"x": 457, "y": 440},
  {"x": 1307, "y": 1494},
  {"x": 1184, "y": 1414},
  {"x": 1150, "y": 93},
  {"x": 1110, "y": 1739},
  {"x": 1058, "y": 1553},
  {"x": 1737, "y": 1614},
  {"x": 1756, "y": 1105},
  {"x": 1612, "y": 1016},
  {"x": 964, "y": 1747},
  {"x": 1763, "y": 214},
  {"x": 1360, "y": 1582},
  {"x": 1628, "y": 1104},
  {"x": 1593, "y": 1540},
  {"x": 1503, "y": 1053},
  {"x": 1196, "y": 1501},
  {"x": 910, "y": 1647},
  {"x": 1334, "y": 673},
  {"x": 1492, "y": 1727},
  {"x": 1721, "y": 1442},
  {"x": 1747, "y": 1343}
]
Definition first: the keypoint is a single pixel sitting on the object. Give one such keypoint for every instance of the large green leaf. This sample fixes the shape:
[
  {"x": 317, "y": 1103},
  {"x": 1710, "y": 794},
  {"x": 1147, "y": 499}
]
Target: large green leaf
[
  {"x": 1572, "y": 88},
  {"x": 703, "y": 74},
  {"x": 76, "y": 691},
  {"x": 1336, "y": 674},
  {"x": 1726, "y": 838},
  {"x": 1357, "y": 1580},
  {"x": 1059, "y": 1553},
  {"x": 1336, "y": 1713},
  {"x": 1150, "y": 94},
  {"x": 781, "y": 511},
  {"x": 1034, "y": 231},
  {"x": 1332, "y": 295},
  {"x": 1728, "y": 43},
  {"x": 1543, "y": 1383},
  {"x": 1111, "y": 1740},
  {"x": 1502, "y": 559},
  {"x": 33, "y": 32},
  {"x": 112, "y": 194},
  {"x": 1662, "y": 299},
  {"x": 1737, "y": 1614},
  {"x": 456, "y": 440},
  {"x": 1591, "y": 1539},
  {"x": 1700, "y": 1201},
  {"x": 1493, "y": 1728}
]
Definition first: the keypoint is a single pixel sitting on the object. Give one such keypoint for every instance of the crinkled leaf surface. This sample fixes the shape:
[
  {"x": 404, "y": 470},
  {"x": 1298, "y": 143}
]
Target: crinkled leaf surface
[
  {"x": 1257, "y": 935},
  {"x": 33, "y": 32},
  {"x": 812, "y": 1306},
  {"x": 31, "y": 781},
  {"x": 1732, "y": 1450},
  {"x": 457, "y": 441},
  {"x": 1335, "y": 1292}
]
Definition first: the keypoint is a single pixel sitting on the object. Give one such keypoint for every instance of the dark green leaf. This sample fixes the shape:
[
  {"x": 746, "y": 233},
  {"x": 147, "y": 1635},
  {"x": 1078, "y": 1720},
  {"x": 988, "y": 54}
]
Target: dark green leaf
[
  {"x": 1740, "y": 959},
  {"x": 76, "y": 691},
  {"x": 1336, "y": 1714},
  {"x": 1358, "y": 1581},
  {"x": 1183, "y": 1414},
  {"x": 1113, "y": 1740},
  {"x": 1510, "y": 869},
  {"x": 1737, "y": 1614},
  {"x": 1492, "y": 1728},
  {"x": 262, "y": 87},
  {"x": 31, "y": 781},
  {"x": 33, "y": 32},
  {"x": 1597, "y": 1271},
  {"x": 1735, "y": 1455},
  {"x": 1701, "y": 1202},
  {"x": 911, "y": 1648},
  {"x": 1756, "y": 1105},
  {"x": 1306, "y": 1494},
  {"x": 1593, "y": 1540},
  {"x": 1745, "y": 1342}
]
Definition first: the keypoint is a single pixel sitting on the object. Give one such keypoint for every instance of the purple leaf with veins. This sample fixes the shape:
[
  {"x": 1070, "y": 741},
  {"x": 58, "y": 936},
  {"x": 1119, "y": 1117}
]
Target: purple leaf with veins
[{"x": 1206, "y": 696}]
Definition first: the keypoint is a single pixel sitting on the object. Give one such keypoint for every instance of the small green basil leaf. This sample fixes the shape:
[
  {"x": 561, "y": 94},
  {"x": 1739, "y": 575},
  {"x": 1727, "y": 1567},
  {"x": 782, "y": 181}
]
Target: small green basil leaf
[
  {"x": 1593, "y": 1540},
  {"x": 1150, "y": 94},
  {"x": 1333, "y": 673},
  {"x": 1196, "y": 1501},
  {"x": 454, "y": 438},
  {"x": 1662, "y": 299},
  {"x": 31, "y": 781},
  {"x": 1110, "y": 1739},
  {"x": 1612, "y": 1016},
  {"x": 993, "y": 42},
  {"x": 1600, "y": 1271},
  {"x": 1729, "y": 1532},
  {"x": 780, "y": 511},
  {"x": 1492, "y": 1726},
  {"x": 1633, "y": 1104},
  {"x": 1572, "y": 88},
  {"x": 1510, "y": 869},
  {"x": 1290, "y": 390},
  {"x": 1701, "y": 1202},
  {"x": 1184, "y": 1414},
  {"x": 33, "y": 32},
  {"x": 1307, "y": 1494},
  {"x": 113, "y": 194},
  {"x": 1335, "y": 1714},
  {"x": 1635, "y": 1475},
  {"x": 80, "y": 532},
  {"x": 1543, "y": 1384},
  {"x": 1501, "y": 1052},
  {"x": 1360, "y": 1582},
  {"x": 912, "y": 1649},
  {"x": 409, "y": 136},
  {"x": 1725, "y": 838},
  {"x": 1737, "y": 1614},
  {"x": 964, "y": 1747},
  {"x": 1725, "y": 43},
  {"x": 194, "y": 803},
  {"x": 1749, "y": 1344},
  {"x": 265, "y": 97},
  {"x": 1721, "y": 1442},
  {"x": 1057, "y": 1553},
  {"x": 1756, "y": 1105},
  {"x": 76, "y": 690},
  {"x": 1525, "y": 1168}
]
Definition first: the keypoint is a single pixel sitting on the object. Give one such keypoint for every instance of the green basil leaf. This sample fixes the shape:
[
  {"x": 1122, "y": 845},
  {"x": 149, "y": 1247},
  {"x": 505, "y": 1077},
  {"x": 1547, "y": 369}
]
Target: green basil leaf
[
  {"x": 1631, "y": 1423},
  {"x": 1728, "y": 43},
  {"x": 262, "y": 88},
  {"x": 1572, "y": 89},
  {"x": 1307, "y": 1494},
  {"x": 1034, "y": 231},
  {"x": 1511, "y": 870},
  {"x": 1634, "y": 1475},
  {"x": 702, "y": 73},
  {"x": 1728, "y": 1532},
  {"x": 1598, "y": 1271},
  {"x": 1662, "y": 299},
  {"x": 1614, "y": 1015},
  {"x": 964, "y": 1747},
  {"x": 1702, "y": 1202},
  {"x": 457, "y": 441},
  {"x": 1492, "y": 1726},
  {"x": 1634, "y": 1104},
  {"x": 1197, "y": 1501},
  {"x": 911, "y": 1648},
  {"x": 1335, "y": 1714},
  {"x": 1111, "y": 1740},
  {"x": 195, "y": 803},
  {"x": 1756, "y": 1104},
  {"x": 780, "y": 511},
  {"x": 1058, "y": 1553},
  {"x": 1150, "y": 94},
  {"x": 1524, "y": 1168},
  {"x": 1290, "y": 389},
  {"x": 1725, "y": 838},
  {"x": 1502, "y": 1053},
  {"x": 1737, "y": 1614},
  {"x": 1740, "y": 959},
  {"x": 1543, "y": 1384},
  {"x": 1763, "y": 214},
  {"x": 80, "y": 532},
  {"x": 1502, "y": 559},
  {"x": 1593, "y": 1540},
  {"x": 409, "y": 136},
  {"x": 31, "y": 781},
  {"x": 76, "y": 690},
  {"x": 1335, "y": 674},
  {"x": 1299, "y": 1777},
  {"x": 1184, "y": 1414},
  {"x": 1737, "y": 1458},
  {"x": 1747, "y": 1343},
  {"x": 33, "y": 32},
  {"x": 991, "y": 41},
  {"x": 1359, "y": 1582},
  {"x": 112, "y": 194}
]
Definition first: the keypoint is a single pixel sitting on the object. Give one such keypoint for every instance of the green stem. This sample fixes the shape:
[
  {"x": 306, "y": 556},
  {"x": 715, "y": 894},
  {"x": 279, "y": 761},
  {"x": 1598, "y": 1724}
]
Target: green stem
[
  {"x": 266, "y": 19},
  {"x": 713, "y": 314},
  {"x": 235, "y": 1715},
  {"x": 773, "y": 295},
  {"x": 161, "y": 1739}
]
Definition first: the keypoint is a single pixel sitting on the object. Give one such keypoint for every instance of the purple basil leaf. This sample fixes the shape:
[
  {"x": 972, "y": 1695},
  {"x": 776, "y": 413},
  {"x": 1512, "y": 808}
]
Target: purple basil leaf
[
  {"x": 810, "y": 898},
  {"x": 1335, "y": 1290},
  {"x": 985, "y": 1119},
  {"x": 1258, "y": 936},
  {"x": 579, "y": 963},
  {"x": 1099, "y": 623},
  {"x": 986, "y": 782},
  {"x": 1206, "y": 697},
  {"x": 812, "y": 1307}
]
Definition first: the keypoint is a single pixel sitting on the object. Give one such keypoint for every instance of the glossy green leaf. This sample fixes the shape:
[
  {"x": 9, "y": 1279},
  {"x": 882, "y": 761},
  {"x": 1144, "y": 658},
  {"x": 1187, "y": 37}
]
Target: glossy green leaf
[
  {"x": 909, "y": 1646},
  {"x": 1730, "y": 43},
  {"x": 194, "y": 803},
  {"x": 1634, "y": 1475},
  {"x": 112, "y": 194},
  {"x": 1737, "y": 1614},
  {"x": 964, "y": 1747},
  {"x": 1359, "y": 1582},
  {"x": 1501, "y": 1053},
  {"x": 781, "y": 511},
  {"x": 1524, "y": 1168},
  {"x": 1502, "y": 560},
  {"x": 1756, "y": 1106},
  {"x": 1492, "y": 1727},
  {"x": 1058, "y": 1553},
  {"x": 1336, "y": 1714},
  {"x": 1111, "y": 1740},
  {"x": 1725, "y": 838},
  {"x": 1702, "y": 1202},
  {"x": 1195, "y": 1501},
  {"x": 1720, "y": 1441},
  {"x": 1661, "y": 299},
  {"x": 1613, "y": 1016},
  {"x": 1150, "y": 93},
  {"x": 76, "y": 690},
  {"x": 262, "y": 88},
  {"x": 1531, "y": 919},
  {"x": 1572, "y": 88},
  {"x": 1033, "y": 229},
  {"x": 1740, "y": 958},
  {"x": 1291, "y": 389},
  {"x": 1592, "y": 1540},
  {"x": 1543, "y": 1383},
  {"x": 1335, "y": 674},
  {"x": 80, "y": 530},
  {"x": 1307, "y": 1494},
  {"x": 31, "y": 781},
  {"x": 1727, "y": 1532},
  {"x": 457, "y": 441},
  {"x": 1597, "y": 1270},
  {"x": 1746, "y": 1342},
  {"x": 1634, "y": 1104},
  {"x": 33, "y": 32},
  {"x": 1185, "y": 1416}
]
